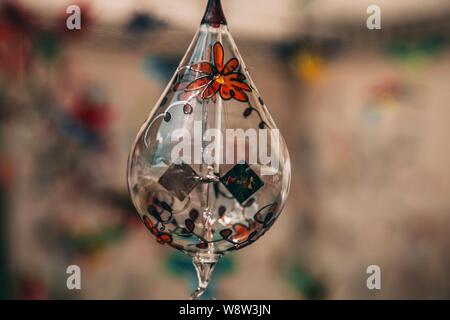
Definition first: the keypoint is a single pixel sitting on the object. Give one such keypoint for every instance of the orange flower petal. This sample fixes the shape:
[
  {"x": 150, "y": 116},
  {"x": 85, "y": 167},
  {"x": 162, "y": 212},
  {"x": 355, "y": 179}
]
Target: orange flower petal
[
  {"x": 150, "y": 226},
  {"x": 218, "y": 56},
  {"x": 239, "y": 95},
  {"x": 241, "y": 86},
  {"x": 241, "y": 234},
  {"x": 203, "y": 67},
  {"x": 198, "y": 83},
  {"x": 236, "y": 80},
  {"x": 240, "y": 229},
  {"x": 210, "y": 90},
  {"x": 148, "y": 223},
  {"x": 165, "y": 238},
  {"x": 231, "y": 65},
  {"x": 227, "y": 92}
]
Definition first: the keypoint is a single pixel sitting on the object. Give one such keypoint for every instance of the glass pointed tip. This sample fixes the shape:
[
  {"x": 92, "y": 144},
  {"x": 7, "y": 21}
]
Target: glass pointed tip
[{"x": 214, "y": 14}]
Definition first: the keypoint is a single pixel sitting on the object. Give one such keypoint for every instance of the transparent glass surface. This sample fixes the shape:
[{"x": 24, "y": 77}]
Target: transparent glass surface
[{"x": 209, "y": 171}]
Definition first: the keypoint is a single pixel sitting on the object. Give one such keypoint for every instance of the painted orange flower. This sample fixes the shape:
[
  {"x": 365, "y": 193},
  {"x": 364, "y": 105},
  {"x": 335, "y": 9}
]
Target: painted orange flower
[
  {"x": 244, "y": 233},
  {"x": 219, "y": 77},
  {"x": 185, "y": 95},
  {"x": 161, "y": 237}
]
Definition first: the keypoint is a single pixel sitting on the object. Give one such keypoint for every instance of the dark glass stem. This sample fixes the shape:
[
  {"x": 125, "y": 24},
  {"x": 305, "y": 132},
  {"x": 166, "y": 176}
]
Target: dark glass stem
[{"x": 214, "y": 14}]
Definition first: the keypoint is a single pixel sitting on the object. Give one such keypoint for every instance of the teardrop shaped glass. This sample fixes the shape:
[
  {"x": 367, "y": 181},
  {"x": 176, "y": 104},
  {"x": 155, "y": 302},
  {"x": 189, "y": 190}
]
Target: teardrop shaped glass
[{"x": 209, "y": 171}]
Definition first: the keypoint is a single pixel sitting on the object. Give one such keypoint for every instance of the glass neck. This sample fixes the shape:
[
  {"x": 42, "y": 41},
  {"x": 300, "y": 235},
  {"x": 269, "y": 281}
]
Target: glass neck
[{"x": 214, "y": 14}]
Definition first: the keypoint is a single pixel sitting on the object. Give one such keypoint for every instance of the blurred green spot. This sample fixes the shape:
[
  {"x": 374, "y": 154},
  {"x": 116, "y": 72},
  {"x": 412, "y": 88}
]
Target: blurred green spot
[
  {"x": 90, "y": 243},
  {"x": 304, "y": 283},
  {"x": 407, "y": 50},
  {"x": 48, "y": 46}
]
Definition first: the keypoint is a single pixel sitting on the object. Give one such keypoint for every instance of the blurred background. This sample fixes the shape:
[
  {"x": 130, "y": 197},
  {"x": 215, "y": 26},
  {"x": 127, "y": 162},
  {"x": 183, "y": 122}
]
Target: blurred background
[{"x": 365, "y": 115}]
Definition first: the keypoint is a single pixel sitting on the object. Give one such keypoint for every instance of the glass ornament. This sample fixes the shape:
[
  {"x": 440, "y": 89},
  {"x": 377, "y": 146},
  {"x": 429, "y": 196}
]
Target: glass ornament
[{"x": 209, "y": 172}]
